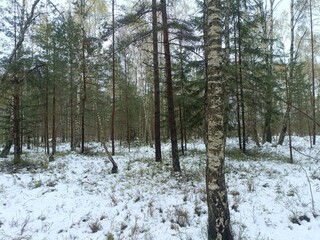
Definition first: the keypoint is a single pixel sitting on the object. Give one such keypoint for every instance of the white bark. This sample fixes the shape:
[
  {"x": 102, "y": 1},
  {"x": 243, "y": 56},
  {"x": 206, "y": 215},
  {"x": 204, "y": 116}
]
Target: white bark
[{"x": 218, "y": 211}]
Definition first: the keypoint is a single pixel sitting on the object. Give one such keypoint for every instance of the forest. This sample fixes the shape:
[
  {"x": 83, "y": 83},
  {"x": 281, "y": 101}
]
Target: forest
[
  {"x": 65, "y": 67},
  {"x": 93, "y": 79}
]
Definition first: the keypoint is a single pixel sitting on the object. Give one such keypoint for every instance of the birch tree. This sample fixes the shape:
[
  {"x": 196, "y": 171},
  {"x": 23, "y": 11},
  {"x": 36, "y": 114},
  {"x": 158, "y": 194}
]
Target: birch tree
[{"x": 218, "y": 210}]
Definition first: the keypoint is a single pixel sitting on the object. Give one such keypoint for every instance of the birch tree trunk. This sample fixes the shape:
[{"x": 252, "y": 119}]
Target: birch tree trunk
[{"x": 218, "y": 210}]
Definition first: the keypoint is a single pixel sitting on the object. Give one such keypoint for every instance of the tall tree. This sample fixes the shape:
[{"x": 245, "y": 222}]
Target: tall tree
[
  {"x": 84, "y": 73},
  {"x": 313, "y": 99},
  {"x": 268, "y": 35},
  {"x": 240, "y": 79},
  {"x": 296, "y": 12},
  {"x": 156, "y": 77},
  {"x": 218, "y": 210},
  {"x": 16, "y": 73},
  {"x": 113, "y": 81},
  {"x": 170, "y": 101}
]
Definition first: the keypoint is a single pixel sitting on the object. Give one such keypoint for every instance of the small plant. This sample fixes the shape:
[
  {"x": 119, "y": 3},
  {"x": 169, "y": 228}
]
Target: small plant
[
  {"x": 95, "y": 226},
  {"x": 180, "y": 218},
  {"x": 2, "y": 188},
  {"x": 250, "y": 184},
  {"x": 113, "y": 200},
  {"x": 123, "y": 226},
  {"x": 88, "y": 151},
  {"x": 135, "y": 228},
  {"x": 151, "y": 208},
  {"x": 298, "y": 219},
  {"x": 110, "y": 236},
  {"x": 35, "y": 183}
]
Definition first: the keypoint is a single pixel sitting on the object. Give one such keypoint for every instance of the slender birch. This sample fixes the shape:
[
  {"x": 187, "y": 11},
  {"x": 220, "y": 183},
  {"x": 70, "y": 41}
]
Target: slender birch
[{"x": 218, "y": 210}]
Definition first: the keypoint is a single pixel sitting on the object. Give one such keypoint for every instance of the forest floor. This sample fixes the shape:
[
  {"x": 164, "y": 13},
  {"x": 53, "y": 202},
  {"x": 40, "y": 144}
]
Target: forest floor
[{"x": 76, "y": 196}]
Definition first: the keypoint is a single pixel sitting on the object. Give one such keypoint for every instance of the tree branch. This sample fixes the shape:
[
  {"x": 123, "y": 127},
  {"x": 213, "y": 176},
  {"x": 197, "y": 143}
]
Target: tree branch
[{"x": 21, "y": 37}]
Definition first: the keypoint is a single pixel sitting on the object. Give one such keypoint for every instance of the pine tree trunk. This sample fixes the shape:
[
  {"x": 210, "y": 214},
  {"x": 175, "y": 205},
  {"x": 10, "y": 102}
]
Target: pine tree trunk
[
  {"x": 237, "y": 90},
  {"x": 170, "y": 102},
  {"x": 313, "y": 102},
  {"x": 284, "y": 126},
  {"x": 267, "y": 133},
  {"x": 84, "y": 91},
  {"x": 181, "y": 130},
  {"x": 72, "y": 113},
  {"x": 291, "y": 70},
  {"x": 46, "y": 118},
  {"x": 243, "y": 121},
  {"x": 218, "y": 210},
  {"x": 113, "y": 84},
  {"x": 156, "y": 76},
  {"x": 54, "y": 133},
  {"x": 16, "y": 124},
  {"x": 5, "y": 151},
  {"x": 128, "y": 135}
]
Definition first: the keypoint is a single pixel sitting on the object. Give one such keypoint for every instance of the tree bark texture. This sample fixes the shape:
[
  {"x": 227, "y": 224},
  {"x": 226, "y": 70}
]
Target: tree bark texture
[
  {"x": 237, "y": 90},
  {"x": 243, "y": 120},
  {"x": 113, "y": 84},
  {"x": 170, "y": 102},
  {"x": 156, "y": 77},
  {"x": 291, "y": 70},
  {"x": 313, "y": 102},
  {"x": 84, "y": 77},
  {"x": 218, "y": 210},
  {"x": 16, "y": 124}
]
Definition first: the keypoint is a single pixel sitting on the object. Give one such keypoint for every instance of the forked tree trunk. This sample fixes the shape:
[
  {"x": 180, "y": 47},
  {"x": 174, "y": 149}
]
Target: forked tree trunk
[
  {"x": 218, "y": 211},
  {"x": 108, "y": 154}
]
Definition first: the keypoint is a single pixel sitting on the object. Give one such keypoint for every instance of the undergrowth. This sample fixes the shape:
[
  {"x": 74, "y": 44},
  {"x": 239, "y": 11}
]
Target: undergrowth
[{"x": 255, "y": 155}]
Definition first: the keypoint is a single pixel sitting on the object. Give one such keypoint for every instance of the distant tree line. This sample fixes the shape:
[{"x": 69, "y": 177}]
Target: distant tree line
[{"x": 141, "y": 70}]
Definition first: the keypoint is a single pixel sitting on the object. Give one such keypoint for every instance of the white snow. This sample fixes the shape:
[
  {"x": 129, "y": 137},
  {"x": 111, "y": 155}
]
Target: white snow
[{"x": 76, "y": 196}]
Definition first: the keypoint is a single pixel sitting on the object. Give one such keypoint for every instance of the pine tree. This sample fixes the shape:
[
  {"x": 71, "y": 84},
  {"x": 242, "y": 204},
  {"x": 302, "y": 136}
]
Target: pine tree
[{"x": 170, "y": 101}]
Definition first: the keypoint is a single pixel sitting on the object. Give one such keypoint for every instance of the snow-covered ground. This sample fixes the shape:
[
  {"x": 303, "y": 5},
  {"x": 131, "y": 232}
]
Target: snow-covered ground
[{"x": 76, "y": 196}]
